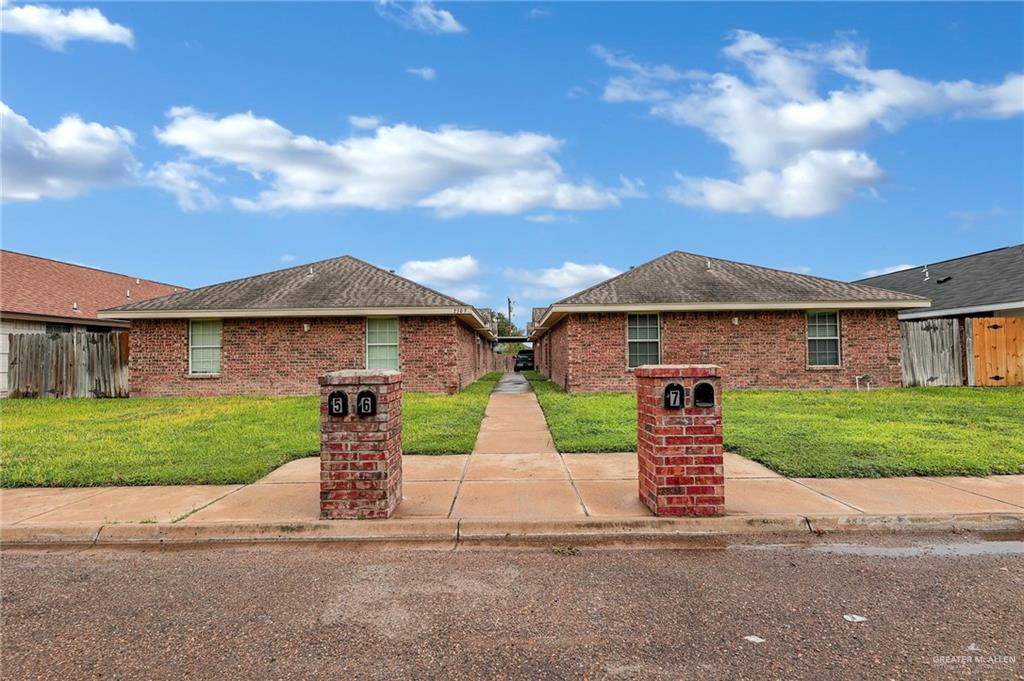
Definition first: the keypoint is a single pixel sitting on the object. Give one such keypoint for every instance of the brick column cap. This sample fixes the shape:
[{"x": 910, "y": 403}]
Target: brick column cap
[
  {"x": 678, "y": 371},
  {"x": 361, "y": 377}
]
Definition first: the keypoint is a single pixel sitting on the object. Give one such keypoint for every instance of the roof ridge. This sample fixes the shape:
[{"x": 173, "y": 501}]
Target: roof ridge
[
  {"x": 942, "y": 262},
  {"x": 394, "y": 273},
  {"x": 257, "y": 276},
  {"x": 90, "y": 267},
  {"x": 632, "y": 268}
]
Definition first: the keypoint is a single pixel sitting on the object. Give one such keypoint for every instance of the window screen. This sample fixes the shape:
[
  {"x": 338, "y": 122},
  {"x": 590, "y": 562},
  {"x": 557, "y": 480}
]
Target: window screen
[
  {"x": 643, "y": 339},
  {"x": 823, "y": 339},
  {"x": 204, "y": 346},
  {"x": 382, "y": 343}
]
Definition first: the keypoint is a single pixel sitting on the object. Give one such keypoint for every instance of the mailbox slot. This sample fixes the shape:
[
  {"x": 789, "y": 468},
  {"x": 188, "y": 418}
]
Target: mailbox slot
[
  {"x": 337, "y": 403},
  {"x": 366, "y": 403},
  {"x": 703, "y": 395},
  {"x": 675, "y": 395}
]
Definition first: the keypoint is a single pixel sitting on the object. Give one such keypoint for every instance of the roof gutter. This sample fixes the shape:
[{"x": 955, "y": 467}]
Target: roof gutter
[
  {"x": 555, "y": 313},
  {"x": 465, "y": 313},
  {"x": 954, "y": 311}
]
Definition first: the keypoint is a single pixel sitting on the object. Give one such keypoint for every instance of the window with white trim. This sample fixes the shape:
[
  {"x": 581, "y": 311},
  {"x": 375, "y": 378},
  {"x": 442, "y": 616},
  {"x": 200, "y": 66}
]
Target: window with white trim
[
  {"x": 204, "y": 346},
  {"x": 823, "y": 339},
  {"x": 382, "y": 343},
  {"x": 643, "y": 337}
]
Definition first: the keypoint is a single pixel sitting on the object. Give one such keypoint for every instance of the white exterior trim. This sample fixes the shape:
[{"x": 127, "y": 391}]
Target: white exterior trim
[
  {"x": 466, "y": 313},
  {"x": 949, "y": 312},
  {"x": 556, "y": 312}
]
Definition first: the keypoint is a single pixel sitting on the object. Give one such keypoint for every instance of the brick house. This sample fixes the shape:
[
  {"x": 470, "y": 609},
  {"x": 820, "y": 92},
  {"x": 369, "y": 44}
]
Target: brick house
[
  {"x": 275, "y": 333},
  {"x": 766, "y": 328},
  {"x": 40, "y": 295}
]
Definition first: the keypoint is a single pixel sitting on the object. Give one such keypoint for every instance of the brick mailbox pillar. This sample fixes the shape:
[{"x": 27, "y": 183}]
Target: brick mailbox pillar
[
  {"x": 679, "y": 439},
  {"x": 360, "y": 443}
]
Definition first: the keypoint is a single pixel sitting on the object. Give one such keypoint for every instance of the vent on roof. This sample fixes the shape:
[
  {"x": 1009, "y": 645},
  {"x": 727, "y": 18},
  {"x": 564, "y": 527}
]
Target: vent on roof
[
  {"x": 925, "y": 270},
  {"x": 74, "y": 306},
  {"x": 707, "y": 263},
  {"x": 942, "y": 280},
  {"x": 128, "y": 293},
  {"x": 310, "y": 273}
]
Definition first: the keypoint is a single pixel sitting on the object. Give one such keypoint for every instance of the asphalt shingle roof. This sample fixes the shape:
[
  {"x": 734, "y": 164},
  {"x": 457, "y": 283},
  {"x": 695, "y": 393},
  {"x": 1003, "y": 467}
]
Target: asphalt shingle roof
[
  {"x": 344, "y": 282},
  {"x": 40, "y": 286},
  {"x": 679, "y": 277},
  {"x": 987, "y": 278}
]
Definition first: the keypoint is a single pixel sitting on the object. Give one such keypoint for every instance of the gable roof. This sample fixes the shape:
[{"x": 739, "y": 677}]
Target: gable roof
[
  {"x": 30, "y": 285},
  {"x": 981, "y": 282},
  {"x": 686, "y": 281},
  {"x": 343, "y": 286}
]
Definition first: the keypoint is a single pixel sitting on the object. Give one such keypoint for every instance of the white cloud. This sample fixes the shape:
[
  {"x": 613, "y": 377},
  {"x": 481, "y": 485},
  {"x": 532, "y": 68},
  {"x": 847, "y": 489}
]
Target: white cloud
[
  {"x": 576, "y": 92},
  {"x": 453, "y": 276},
  {"x": 364, "y": 122},
  {"x": 538, "y": 13},
  {"x": 56, "y": 27},
  {"x": 888, "y": 270},
  {"x": 641, "y": 82},
  {"x": 451, "y": 170},
  {"x": 287, "y": 258},
  {"x": 814, "y": 184},
  {"x": 420, "y": 16},
  {"x": 547, "y": 218},
  {"x": 444, "y": 271},
  {"x": 424, "y": 72},
  {"x": 66, "y": 160},
  {"x": 185, "y": 181},
  {"x": 468, "y": 294},
  {"x": 559, "y": 282},
  {"x": 775, "y": 120}
]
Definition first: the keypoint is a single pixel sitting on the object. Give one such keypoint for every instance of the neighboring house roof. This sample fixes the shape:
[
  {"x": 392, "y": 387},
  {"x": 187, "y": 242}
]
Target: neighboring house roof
[
  {"x": 343, "y": 286},
  {"x": 31, "y": 286},
  {"x": 686, "y": 281},
  {"x": 983, "y": 282}
]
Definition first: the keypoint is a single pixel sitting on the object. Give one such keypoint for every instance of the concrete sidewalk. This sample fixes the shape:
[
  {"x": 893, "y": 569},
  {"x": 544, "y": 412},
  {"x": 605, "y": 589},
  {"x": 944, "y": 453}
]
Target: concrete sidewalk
[
  {"x": 514, "y": 483},
  {"x": 510, "y": 487}
]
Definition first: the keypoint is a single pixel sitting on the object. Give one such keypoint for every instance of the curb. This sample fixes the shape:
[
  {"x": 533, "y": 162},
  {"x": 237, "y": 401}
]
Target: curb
[{"x": 431, "y": 532}]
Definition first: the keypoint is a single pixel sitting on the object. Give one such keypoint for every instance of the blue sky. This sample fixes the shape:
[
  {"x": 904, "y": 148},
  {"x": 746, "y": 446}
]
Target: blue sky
[{"x": 510, "y": 149}]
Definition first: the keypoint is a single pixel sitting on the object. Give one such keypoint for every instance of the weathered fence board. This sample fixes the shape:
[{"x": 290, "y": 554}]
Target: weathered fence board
[
  {"x": 68, "y": 365},
  {"x": 931, "y": 352},
  {"x": 998, "y": 350}
]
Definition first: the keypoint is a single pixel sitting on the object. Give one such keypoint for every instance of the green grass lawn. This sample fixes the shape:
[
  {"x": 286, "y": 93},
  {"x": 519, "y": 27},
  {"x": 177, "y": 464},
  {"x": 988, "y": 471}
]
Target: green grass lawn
[
  {"x": 910, "y": 431},
  {"x": 181, "y": 440}
]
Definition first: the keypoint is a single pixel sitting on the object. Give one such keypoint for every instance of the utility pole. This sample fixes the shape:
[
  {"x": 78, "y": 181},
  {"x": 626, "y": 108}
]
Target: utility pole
[{"x": 510, "y": 302}]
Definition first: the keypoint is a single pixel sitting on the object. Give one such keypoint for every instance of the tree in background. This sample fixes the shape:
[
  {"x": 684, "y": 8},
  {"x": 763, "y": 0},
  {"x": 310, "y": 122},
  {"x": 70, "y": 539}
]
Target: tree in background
[{"x": 507, "y": 328}]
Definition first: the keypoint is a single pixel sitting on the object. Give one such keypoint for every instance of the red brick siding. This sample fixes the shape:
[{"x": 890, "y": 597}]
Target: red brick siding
[
  {"x": 559, "y": 346},
  {"x": 468, "y": 365},
  {"x": 276, "y": 357},
  {"x": 764, "y": 350},
  {"x": 427, "y": 354}
]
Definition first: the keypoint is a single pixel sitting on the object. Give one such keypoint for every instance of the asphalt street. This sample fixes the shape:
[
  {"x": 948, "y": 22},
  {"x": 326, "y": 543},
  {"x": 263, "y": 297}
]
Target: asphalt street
[{"x": 931, "y": 609}]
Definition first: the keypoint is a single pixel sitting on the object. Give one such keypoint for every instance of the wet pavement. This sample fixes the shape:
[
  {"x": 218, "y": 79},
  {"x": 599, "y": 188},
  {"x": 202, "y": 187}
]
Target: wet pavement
[{"x": 879, "y": 607}]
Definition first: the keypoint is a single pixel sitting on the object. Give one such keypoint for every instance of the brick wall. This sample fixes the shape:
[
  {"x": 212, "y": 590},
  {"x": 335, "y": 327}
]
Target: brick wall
[
  {"x": 763, "y": 350},
  {"x": 276, "y": 357},
  {"x": 559, "y": 348}
]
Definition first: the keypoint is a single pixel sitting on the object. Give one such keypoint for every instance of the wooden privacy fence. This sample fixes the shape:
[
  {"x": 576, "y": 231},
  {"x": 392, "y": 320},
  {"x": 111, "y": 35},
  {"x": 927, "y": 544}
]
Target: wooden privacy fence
[
  {"x": 68, "y": 365},
  {"x": 985, "y": 351},
  {"x": 996, "y": 345},
  {"x": 931, "y": 352}
]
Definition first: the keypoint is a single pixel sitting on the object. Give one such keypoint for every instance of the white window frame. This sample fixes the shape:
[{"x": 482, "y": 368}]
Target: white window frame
[
  {"x": 838, "y": 338},
  {"x": 397, "y": 344},
  {"x": 219, "y": 346},
  {"x": 628, "y": 341}
]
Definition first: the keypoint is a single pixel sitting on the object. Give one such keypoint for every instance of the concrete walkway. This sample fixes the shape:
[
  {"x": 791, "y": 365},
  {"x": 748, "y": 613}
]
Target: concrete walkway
[{"x": 514, "y": 474}]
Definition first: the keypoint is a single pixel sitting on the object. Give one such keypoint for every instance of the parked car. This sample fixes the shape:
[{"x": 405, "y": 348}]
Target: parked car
[{"x": 524, "y": 360}]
